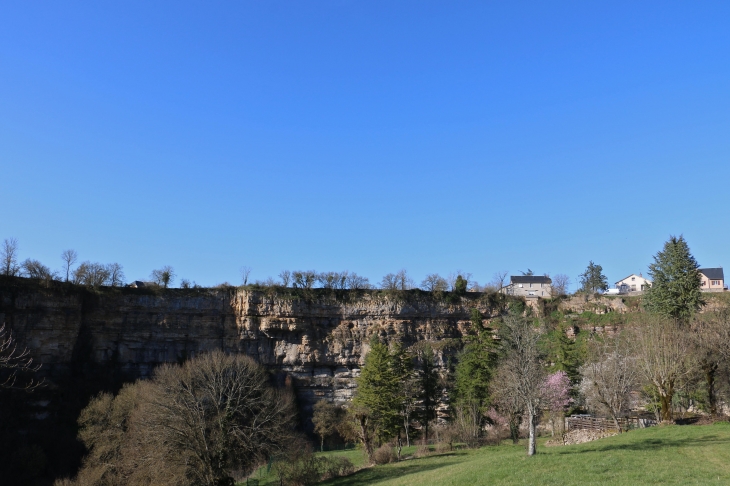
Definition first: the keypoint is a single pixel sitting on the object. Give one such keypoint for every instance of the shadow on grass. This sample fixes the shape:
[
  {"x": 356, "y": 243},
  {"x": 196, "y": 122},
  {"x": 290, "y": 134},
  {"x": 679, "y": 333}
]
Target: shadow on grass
[{"x": 374, "y": 475}]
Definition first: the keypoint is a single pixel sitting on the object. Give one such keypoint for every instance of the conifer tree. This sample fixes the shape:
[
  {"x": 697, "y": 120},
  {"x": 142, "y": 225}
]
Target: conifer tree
[
  {"x": 593, "y": 279},
  {"x": 377, "y": 391},
  {"x": 475, "y": 367},
  {"x": 408, "y": 388},
  {"x": 429, "y": 388},
  {"x": 675, "y": 289}
]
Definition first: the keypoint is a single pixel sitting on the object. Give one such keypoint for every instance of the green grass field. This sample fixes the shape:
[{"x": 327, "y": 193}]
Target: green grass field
[{"x": 658, "y": 455}]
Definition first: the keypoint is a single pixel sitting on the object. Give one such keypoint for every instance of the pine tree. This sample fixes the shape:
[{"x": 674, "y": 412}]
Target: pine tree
[
  {"x": 593, "y": 279},
  {"x": 377, "y": 391},
  {"x": 475, "y": 367},
  {"x": 675, "y": 289},
  {"x": 408, "y": 388},
  {"x": 429, "y": 388}
]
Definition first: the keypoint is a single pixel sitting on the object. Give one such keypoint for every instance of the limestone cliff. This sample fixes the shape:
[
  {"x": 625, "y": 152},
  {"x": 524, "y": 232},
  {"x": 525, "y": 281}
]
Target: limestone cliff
[{"x": 315, "y": 340}]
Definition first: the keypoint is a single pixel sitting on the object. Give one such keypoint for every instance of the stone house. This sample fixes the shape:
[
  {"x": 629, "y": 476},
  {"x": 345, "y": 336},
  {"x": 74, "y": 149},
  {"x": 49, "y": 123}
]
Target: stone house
[
  {"x": 633, "y": 283},
  {"x": 529, "y": 286},
  {"x": 713, "y": 279}
]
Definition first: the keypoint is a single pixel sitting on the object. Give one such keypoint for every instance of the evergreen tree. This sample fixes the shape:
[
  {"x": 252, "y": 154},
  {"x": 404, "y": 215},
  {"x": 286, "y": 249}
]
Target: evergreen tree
[
  {"x": 460, "y": 285},
  {"x": 567, "y": 356},
  {"x": 408, "y": 389},
  {"x": 377, "y": 391},
  {"x": 675, "y": 289},
  {"x": 475, "y": 367},
  {"x": 593, "y": 279},
  {"x": 430, "y": 389}
]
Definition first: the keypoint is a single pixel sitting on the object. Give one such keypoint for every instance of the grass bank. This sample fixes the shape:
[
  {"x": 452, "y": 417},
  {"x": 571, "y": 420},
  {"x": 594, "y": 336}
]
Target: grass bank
[{"x": 658, "y": 455}]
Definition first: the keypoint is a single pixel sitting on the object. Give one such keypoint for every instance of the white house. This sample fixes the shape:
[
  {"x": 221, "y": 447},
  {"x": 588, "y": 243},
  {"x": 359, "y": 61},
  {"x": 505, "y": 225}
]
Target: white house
[
  {"x": 633, "y": 283},
  {"x": 529, "y": 286}
]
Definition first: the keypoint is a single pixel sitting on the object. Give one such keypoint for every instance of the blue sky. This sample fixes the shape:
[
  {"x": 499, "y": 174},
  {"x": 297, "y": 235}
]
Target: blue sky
[{"x": 369, "y": 136}]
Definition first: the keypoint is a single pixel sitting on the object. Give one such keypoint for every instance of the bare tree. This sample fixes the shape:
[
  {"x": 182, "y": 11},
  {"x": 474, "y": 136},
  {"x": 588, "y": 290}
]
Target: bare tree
[
  {"x": 498, "y": 279},
  {"x": 69, "y": 257},
  {"x": 506, "y": 400},
  {"x": 192, "y": 424},
  {"x": 560, "y": 285},
  {"x": 285, "y": 277},
  {"x": 304, "y": 279},
  {"x": 711, "y": 335},
  {"x": 523, "y": 371},
  {"x": 663, "y": 357},
  {"x": 35, "y": 269},
  {"x": 397, "y": 281},
  {"x": 116, "y": 274},
  {"x": 9, "y": 257},
  {"x": 609, "y": 377},
  {"x": 14, "y": 361},
  {"x": 163, "y": 276},
  {"x": 356, "y": 282},
  {"x": 434, "y": 283},
  {"x": 91, "y": 274},
  {"x": 245, "y": 272}
]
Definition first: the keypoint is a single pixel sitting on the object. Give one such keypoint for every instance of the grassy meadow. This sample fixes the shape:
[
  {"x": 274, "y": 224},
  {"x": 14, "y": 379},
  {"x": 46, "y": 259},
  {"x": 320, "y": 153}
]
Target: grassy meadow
[{"x": 658, "y": 455}]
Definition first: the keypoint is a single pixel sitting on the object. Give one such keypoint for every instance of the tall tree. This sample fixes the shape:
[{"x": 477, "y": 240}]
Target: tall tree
[
  {"x": 663, "y": 357},
  {"x": 430, "y": 389},
  {"x": 69, "y": 257},
  {"x": 675, "y": 289},
  {"x": 326, "y": 418},
  {"x": 377, "y": 396},
  {"x": 475, "y": 367},
  {"x": 609, "y": 377},
  {"x": 408, "y": 389},
  {"x": 9, "y": 257},
  {"x": 522, "y": 370},
  {"x": 593, "y": 279},
  {"x": 163, "y": 276}
]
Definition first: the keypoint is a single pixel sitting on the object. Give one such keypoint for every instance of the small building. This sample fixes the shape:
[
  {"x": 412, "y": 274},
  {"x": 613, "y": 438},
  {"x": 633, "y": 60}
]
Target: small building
[
  {"x": 138, "y": 284},
  {"x": 529, "y": 286},
  {"x": 713, "y": 279},
  {"x": 633, "y": 283}
]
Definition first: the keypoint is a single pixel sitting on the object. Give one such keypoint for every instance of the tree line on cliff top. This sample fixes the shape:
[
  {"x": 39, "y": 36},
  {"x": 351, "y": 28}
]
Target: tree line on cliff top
[{"x": 94, "y": 274}]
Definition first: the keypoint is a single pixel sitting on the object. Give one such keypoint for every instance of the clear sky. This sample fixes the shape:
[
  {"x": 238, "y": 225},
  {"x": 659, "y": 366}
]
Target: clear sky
[{"x": 369, "y": 136}]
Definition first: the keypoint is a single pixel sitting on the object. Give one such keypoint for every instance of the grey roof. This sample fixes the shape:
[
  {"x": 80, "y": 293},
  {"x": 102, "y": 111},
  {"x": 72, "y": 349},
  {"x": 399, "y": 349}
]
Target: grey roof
[
  {"x": 713, "y": 273},
  {"x": 522, "y": 279}
]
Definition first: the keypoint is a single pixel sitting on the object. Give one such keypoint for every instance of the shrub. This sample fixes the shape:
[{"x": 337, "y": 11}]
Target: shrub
[
  {"x": 302, "y": 468},
  {"x": 385, "y": 454}
]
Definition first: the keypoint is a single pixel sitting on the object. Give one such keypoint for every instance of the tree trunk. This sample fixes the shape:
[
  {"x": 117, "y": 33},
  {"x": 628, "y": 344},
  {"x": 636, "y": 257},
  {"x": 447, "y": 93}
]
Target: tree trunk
[
  {"x": 514, "y": 430},
  {"x": 615, "y": 422},
  {"x": 321, "y": 445},
  {"x": 710, "y": 370},
  {"x": 367, "y": 441},
  {"x": 666, "y": 403},
  {"x": 532, "y": 444},
  {"x": 408, "y": 437}
]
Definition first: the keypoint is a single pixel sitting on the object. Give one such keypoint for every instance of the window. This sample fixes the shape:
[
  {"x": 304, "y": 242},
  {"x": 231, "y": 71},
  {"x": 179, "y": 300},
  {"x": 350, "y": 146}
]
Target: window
[
  {"x": 633, "y": 288},
  {"x": 703, "y": 283},
  {"x": 633, "y": 278},
  {"x": 715, "y": 282}
]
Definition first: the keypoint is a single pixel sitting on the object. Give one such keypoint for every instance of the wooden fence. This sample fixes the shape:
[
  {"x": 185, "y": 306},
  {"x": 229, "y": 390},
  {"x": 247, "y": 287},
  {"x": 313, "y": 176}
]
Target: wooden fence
[{"x": 599, "y": 423}]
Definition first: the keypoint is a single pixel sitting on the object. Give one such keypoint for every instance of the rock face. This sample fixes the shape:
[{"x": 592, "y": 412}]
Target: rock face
[{"x": 315, "y": 340}]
